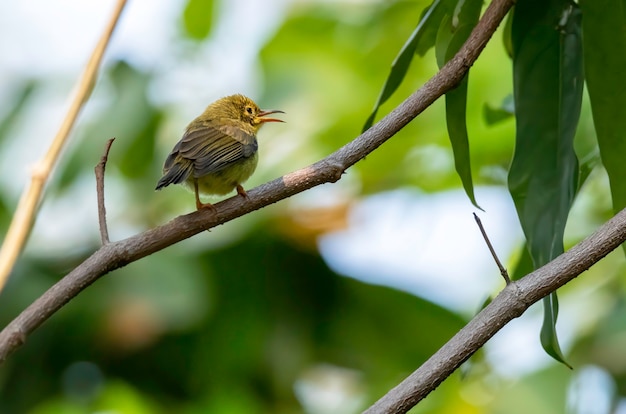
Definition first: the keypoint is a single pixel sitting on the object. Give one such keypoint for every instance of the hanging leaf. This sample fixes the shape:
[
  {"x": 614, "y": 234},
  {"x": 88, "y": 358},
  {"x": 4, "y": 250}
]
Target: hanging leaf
[
  {"x": 452, "y": 35},
  {"x": 548, "y": 84},
  {"x": 549, "y": 339},
  {"x": 604, "y": 26}
]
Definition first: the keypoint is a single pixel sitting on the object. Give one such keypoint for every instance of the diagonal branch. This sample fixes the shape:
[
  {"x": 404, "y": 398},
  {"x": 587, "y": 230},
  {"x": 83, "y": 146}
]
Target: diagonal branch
[{"x": 117, "y": 254}]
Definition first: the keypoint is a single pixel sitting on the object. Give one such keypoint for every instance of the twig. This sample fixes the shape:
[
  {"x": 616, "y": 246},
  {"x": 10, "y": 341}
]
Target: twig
[
  {"x": 29, "y": 201},
  {"x": 102, "y": 212},
  {"x": 503, "y": 271}
]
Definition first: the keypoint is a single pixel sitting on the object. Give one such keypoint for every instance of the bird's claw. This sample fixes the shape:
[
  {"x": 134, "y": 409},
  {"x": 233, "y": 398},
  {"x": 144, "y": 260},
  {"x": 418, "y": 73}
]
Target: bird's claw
[{"x": 241, "y": 191}]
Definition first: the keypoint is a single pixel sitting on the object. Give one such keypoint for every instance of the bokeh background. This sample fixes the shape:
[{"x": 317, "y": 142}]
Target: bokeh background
[{"x": 320, "y": 303}]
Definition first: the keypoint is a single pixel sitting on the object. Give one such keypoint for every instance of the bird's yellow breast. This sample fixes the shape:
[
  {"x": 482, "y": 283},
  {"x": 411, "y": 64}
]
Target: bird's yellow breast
[{"x": 224, "y": 181}]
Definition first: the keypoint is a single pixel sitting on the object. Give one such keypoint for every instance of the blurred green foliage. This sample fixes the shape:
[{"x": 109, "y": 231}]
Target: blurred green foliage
[
  {"x": 198, "y": 18},
  {"x": 249, "y": 318}
]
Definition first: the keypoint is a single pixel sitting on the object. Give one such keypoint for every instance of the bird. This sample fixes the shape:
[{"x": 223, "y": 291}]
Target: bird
[{"x": 218, "y": 150}]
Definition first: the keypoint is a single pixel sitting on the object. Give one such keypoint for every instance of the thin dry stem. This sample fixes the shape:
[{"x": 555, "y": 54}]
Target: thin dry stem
[
  {"x": 29, "y": 201},
  {"x": 102, "y": 212},
  {"x": 503, "y": 272}
]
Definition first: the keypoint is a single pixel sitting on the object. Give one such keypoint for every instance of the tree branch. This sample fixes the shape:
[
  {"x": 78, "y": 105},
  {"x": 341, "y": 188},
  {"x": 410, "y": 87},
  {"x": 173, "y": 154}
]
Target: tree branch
[
  {"x": 117, "y": 254},
  {"x": 510, "y": 303}
]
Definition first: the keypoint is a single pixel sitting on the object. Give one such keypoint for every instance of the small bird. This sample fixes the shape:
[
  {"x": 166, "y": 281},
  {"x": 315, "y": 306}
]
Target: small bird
[{"x": 218, "y": 150}]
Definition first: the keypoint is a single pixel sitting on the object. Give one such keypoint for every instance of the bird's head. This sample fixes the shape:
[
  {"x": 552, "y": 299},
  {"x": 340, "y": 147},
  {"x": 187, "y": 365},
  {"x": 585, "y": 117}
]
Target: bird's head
[{"x": 242, "y": 108}]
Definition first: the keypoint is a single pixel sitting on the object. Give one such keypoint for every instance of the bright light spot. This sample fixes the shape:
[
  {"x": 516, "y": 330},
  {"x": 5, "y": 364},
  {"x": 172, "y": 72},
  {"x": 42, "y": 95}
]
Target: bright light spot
[
  {"x": 427, "y": 244},
  {"x": 592, "y": 391},
  {"x": 329, "y": 389}
]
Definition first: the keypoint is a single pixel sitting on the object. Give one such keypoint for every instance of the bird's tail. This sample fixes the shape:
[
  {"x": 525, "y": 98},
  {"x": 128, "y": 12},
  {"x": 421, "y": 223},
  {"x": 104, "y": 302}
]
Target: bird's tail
[{"x": 176, "y": 174}]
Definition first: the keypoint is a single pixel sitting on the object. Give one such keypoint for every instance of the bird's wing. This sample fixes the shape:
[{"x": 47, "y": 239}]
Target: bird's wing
[
  {"x": 212, "y": 148},
  {"x": 175, "y": 170}
]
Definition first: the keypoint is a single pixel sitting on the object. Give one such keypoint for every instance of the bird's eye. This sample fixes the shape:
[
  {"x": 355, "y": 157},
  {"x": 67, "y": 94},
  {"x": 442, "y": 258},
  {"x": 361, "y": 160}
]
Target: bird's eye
[{"x": 249, "y": 110}]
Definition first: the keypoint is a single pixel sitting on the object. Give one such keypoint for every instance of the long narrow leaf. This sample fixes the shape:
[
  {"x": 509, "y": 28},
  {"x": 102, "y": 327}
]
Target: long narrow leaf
[
  {"x": 548, "y": 84},
  {"x": 453, "y": 33},
  {"x": 549, "y": 339},
  {"x": 604, "y": 26}
]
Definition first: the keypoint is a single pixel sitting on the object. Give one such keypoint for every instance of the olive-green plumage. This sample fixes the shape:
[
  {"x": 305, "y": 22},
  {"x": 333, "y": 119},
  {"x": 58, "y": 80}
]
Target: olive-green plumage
[{"x": 218, "y": 151}]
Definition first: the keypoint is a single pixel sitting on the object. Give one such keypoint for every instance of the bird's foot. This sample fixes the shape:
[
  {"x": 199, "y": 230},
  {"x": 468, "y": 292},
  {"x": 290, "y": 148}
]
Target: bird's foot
[
  {"x": 241, "y": 191},
  {"x": 200, "y": 205}
]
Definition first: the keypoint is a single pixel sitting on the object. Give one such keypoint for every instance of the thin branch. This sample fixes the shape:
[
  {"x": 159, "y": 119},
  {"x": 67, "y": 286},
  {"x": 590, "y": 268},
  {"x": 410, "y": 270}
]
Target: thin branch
[
  {"x": 29, "y": 201},
  {"x": 330, "y": 169},
  {"x": 502, "y": 269},
  {"x": 102, "y": 211}
]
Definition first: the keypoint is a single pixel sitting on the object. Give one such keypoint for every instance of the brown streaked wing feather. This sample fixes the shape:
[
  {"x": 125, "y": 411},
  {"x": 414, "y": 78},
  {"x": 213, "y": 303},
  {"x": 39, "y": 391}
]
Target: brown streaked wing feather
[
  {"x": 248, "y": 140},
  {"x": 171, "y": 158},
  {"x": 176, "y": 169},
  {"x": 212, "y": 149}
]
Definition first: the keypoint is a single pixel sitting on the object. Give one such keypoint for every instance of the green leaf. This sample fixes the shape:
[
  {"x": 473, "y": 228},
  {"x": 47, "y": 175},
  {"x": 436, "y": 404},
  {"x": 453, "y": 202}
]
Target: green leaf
[
  {"x": 604, "y": 49},
  {"x": 548, "y": 84},
  {"x": 197, "y": 18},
  {"x": 549, "y": 339},
  {"x": 444, "y": 37},
  {"x": 495, "y": 115},
  {"x": 420, "y": 41},
  {"x": 432, "y": 18},
  {"x": 453, "y": 33},
  {"x": 548, "y": 77},
  {"x": 547, "y": 335}
]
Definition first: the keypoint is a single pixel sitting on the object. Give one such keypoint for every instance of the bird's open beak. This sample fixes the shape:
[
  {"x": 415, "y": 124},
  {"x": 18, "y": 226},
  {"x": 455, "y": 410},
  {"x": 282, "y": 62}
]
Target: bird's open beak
[{"x": 264, "y": 113}]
